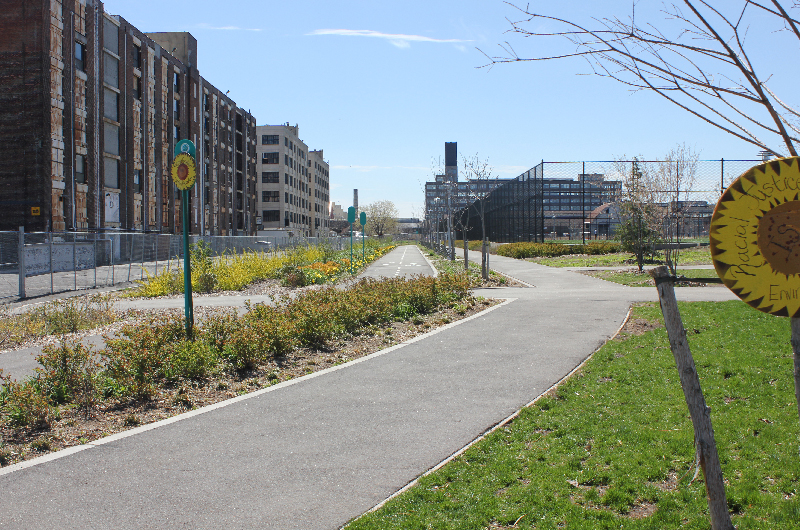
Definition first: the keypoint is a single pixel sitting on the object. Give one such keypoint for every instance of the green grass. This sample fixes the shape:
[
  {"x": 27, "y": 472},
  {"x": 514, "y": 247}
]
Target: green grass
[
  {"x": 615, "y": 440},
  {"x": 687, "y": 256},
  {"x": 635, "y": 279}
]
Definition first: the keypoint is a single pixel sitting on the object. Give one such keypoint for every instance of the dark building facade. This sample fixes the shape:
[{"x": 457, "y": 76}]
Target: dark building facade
[{"x": 90, "y": 111}]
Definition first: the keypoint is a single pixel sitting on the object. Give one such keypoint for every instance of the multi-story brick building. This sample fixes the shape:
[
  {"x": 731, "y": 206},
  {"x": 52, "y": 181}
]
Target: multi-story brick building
[
  {"x": 294, "y": 188},
  {"x": 90, "y": 111}
]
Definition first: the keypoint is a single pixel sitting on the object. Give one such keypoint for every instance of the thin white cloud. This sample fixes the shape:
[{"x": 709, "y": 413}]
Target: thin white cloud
[
  {"x": 367, "y": 169},
  {"x": 225, "y": 28},
  {"x": 398, "y": 39}
]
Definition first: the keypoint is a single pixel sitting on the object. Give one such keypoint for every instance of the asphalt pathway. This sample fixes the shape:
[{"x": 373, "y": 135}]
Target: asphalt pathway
[{"x": 320, "y": 450}]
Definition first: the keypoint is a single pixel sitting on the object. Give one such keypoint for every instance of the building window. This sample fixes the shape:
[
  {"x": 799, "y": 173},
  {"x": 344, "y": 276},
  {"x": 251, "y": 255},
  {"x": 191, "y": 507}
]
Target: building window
[
  {"x": 110, "y": 36},
  {"x": 176, "y": 108},
  {"x": 110, "y": 104},
  {"x": 271, "y": 216},
  {"x": 110, "y": 70},
  {"x": 80, "y": 57},
  {"x": 286, "y": 197},
  {"x": 111, "y": 139},
  {"x": 176, "y": 81},
  {"x": 111, "y": 172},
  {"x": 270, "y": 196},
  {"x": 269, "y": 158},
  {"x": 270, "y": 177},
  {"x": 80, "y": 169},
  {"x": 176, "y": 132},
  {"x": 137, "y": 87},
  {"x": 137, "y": 180},
  {"x": 137, "y": 57},
  {"x": 269, "y": 139}
]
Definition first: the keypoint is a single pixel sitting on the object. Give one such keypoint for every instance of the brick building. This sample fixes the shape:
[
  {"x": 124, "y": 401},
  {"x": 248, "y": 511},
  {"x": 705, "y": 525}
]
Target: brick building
[
  {"x": 90, "y": 111},
  {"x": 294, "y": 190}
]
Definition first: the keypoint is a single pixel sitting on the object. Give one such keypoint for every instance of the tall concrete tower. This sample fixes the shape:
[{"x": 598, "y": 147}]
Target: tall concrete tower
[
  {"x": 355, "y": 200},
  {"x": 451, "y": 161}
]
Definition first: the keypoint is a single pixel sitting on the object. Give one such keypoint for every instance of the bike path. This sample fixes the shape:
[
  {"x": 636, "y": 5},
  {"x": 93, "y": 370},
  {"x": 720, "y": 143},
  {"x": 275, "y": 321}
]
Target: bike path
[{"x": 320, "y": 450}]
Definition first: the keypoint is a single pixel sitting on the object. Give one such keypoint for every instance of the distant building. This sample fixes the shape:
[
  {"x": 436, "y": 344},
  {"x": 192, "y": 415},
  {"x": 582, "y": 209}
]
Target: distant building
[
  {"x": 294, "y": 186},
  {"x": 446, "y": 188},
  {"x": 91, "y": 109},
  {"x": 338, "y": 213}
]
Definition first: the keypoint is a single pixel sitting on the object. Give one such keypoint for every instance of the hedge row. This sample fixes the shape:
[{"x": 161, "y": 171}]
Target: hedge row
[{"x": 548, "y": 250}]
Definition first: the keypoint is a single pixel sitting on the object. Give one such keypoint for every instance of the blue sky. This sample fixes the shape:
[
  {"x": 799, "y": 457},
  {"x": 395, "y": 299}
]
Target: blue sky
[{"x": 381, "y": 86}]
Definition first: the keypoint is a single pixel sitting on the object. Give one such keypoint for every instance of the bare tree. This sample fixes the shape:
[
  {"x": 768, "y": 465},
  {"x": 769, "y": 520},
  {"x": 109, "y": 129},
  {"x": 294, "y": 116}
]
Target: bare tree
[
  {"x": 696, "y": 58},
  {"x": 481, "y": 176},
  {"x": 381, "y": 218},
  {"x": 676, "y": 176}
]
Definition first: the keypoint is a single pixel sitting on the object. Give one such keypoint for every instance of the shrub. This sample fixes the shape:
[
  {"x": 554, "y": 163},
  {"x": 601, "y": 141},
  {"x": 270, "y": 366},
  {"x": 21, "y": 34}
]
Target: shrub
[
  {"x": 524, "y": 250},
  {"x": 204, "y": 278},
  {"x": 23, "y": 405},
  {"x": 189, "y": 360},
  {"x": 68, "y": 374},
  {"x": 133, "y": 362}
]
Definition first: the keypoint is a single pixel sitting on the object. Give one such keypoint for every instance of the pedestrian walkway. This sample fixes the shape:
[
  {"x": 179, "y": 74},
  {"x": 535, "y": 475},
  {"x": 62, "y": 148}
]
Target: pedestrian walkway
[{"x": 315, "y": 452}]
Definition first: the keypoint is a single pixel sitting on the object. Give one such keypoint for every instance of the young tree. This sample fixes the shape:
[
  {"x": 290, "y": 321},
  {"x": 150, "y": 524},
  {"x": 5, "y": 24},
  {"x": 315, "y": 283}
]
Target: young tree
[
  {"x": 641, "y": 214},
  {"x": 381, "y": 218},
  {"x": 480, "y": 174},
  {"x": 696, "y": 57}
]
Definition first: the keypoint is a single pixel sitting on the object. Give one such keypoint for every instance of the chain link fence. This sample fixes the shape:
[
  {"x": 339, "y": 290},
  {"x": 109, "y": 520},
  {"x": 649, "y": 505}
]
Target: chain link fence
[
  {"x": 581, "y": 201},
  {"x": 55, "y": 262}
]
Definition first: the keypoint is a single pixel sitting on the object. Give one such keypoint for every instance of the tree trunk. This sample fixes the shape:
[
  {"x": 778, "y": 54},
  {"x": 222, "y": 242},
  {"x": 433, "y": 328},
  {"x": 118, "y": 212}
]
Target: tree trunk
[
  {"x": 466, "y": 252},
  {"x": 796, "y": 350},
  {"x": 705, "y": 445}
]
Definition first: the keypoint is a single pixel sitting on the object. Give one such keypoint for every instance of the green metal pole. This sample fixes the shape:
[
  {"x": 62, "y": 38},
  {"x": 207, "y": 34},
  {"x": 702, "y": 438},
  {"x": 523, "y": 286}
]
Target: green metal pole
[
  {"x": 187, "y": 266},
  {"x": 351, "y": 248},
  {"x": 363, "y": 254}
]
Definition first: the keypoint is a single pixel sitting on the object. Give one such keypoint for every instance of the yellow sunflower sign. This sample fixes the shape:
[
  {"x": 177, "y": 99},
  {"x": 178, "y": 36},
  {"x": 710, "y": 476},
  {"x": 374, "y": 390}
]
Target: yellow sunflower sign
[
  {"x": 183, "y": 171},
  {"x": 755, "y": 237}
]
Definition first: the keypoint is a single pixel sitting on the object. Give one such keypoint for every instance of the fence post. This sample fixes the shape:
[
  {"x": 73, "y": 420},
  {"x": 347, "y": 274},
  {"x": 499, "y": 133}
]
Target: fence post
[
  {"x": 50, "y": 248},
  {"x": 74, "y": 264},
  {"x": 21, "y": 261},
  {"x": 721, "y": 176}
]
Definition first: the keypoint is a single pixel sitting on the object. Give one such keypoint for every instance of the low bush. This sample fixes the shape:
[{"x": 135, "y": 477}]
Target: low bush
[
  {"x": 154, "y": 354},
  {"x": 68, "y": 374},
  {"x": 524, "y": 250},
  {"x": 295, "y": 267}
]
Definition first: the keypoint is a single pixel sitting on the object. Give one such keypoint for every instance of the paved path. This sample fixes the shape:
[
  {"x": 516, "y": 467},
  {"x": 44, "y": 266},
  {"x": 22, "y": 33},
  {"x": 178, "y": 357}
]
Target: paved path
[{"x": 320, "y": 450}]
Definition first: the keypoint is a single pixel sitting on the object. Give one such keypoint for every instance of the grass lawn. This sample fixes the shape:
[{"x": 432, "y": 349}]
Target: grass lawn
[
  {"x": 688, "y": 256},
  {"x": 612, "y": 447},
  {"x": 636, "y": 279}
]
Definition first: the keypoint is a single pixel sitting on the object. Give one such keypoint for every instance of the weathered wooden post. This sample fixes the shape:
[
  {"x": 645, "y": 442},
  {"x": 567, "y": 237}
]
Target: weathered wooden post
[{"x": 705, "y": 445}]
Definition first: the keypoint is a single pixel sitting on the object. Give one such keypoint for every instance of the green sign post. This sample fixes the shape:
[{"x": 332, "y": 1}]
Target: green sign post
[
  {"x": 351, "y": 218},
  {"x": 184, "y": 173},
  {"x": 363, "y": 220}
]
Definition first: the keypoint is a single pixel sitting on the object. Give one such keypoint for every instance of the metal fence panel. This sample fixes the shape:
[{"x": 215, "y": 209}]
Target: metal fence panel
[
  {"x": 580, "y": 200},
  {"x": 66, "y": 261}
]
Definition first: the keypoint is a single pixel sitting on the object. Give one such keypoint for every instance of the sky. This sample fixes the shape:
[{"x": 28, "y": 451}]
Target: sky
[{"x": 381, "y": 86}]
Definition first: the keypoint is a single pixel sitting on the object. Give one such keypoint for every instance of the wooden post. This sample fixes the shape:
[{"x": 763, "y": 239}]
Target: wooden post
[
  {"x": 705, "y": 444},
  {"x": 796, "y": 350}
]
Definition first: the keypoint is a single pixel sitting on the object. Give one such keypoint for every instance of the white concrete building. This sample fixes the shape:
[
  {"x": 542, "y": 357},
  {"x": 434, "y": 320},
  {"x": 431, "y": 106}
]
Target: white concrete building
[{"x": 293, "y": 189}]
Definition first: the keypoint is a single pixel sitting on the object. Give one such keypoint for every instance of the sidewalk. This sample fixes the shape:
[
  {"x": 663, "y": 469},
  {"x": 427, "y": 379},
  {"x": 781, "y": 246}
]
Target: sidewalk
[{"x": 317, "y": 451}]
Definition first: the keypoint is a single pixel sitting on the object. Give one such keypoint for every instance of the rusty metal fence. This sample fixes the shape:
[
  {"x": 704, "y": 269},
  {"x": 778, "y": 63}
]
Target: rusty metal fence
[{"x": 42, "y": 263}]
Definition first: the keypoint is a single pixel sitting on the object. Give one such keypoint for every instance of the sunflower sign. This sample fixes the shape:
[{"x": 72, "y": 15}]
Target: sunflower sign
[
  {"x": 755, "y": 237},
  {"x": 183, "y": 171}
]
